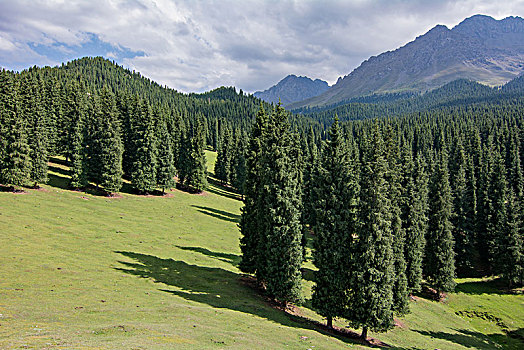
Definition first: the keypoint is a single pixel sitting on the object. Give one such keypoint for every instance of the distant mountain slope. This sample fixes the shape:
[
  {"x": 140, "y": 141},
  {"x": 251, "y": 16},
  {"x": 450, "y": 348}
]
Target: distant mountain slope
[
  {"x": 460, "y": 93},
  {"x": 480, "y": 48},
  {"x": 292, "y": 89}
]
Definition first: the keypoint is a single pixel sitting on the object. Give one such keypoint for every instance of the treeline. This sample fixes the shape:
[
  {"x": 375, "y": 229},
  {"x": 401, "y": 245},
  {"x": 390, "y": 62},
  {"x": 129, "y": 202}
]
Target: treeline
[
  {"x": 104, "y": 137},
  {"x": 110, "y": 123},
  {"x": 456, "y": 93},
  {"x": 392, "y": 204}
]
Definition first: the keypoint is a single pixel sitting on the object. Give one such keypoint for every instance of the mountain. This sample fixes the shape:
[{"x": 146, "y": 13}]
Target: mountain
[
  {"x": 480, "y": 48},
  {"x": 292, "y": 89}
]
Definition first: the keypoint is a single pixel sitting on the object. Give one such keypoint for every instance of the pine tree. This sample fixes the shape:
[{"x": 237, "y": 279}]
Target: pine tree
[
  {"x": 336, "y": 189},
  {"x": 498, "y": 197},
  {"x": 197, "y": 177},
  {"x": 111, "y": 145},
  {"x": 165, "y": 160},
  {"x": 393, "y": 179},
  {"x": 79, "y": 138},
  {"x": 32, "y": 112},
  {"x": 281, "y": 211},
  {"x": 105, "y": 151},
  {"x": 14, "y": 165},
  {"x": 372, "y": 294},
  {"x": 510, "y": 261},
  {"x": 251, "y": 221},
  {"x": 485, "y": 204},
  {"x": 463, "y": 211},
  {"x": 223, "y": 162},
  {"x": 239, "y": 164},
  {"x": 143, "y": 175},
  {"x": 440, "y": 263},
  {"x": 415, "y": 208}
]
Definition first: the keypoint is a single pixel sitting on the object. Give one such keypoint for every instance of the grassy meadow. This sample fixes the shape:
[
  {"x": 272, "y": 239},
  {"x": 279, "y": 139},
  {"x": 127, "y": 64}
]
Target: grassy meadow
[{"x": 81, "y": 271}]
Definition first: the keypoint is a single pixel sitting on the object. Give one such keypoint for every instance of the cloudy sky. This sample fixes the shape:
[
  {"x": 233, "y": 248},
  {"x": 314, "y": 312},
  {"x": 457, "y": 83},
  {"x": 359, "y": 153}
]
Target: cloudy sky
[{"x": 193, "y": 45}]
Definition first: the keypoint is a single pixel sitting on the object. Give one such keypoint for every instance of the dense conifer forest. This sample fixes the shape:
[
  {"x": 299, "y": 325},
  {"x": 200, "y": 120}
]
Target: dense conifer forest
[{"x": 402, "y": 192}]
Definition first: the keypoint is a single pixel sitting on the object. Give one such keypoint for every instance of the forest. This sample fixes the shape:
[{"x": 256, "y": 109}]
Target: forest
[{"x": 400, "y": 194}]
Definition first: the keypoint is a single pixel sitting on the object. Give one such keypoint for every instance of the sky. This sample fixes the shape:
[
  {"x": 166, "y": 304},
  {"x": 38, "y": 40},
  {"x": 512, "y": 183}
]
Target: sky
[{"x": 198, "y": 45}]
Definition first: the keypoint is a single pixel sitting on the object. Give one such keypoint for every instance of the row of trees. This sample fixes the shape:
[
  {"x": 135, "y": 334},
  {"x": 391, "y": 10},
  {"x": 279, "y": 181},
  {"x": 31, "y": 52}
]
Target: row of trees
[
  {"x": 392, "y": 204},
  {"x": 104, "y": 137}
]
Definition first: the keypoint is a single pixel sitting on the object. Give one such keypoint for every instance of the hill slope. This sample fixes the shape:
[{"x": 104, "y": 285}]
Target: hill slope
[
  {"x": 292, "y": 89},
  {"x": 480, "y": 48},
  {"x": 142, "y": 272}
]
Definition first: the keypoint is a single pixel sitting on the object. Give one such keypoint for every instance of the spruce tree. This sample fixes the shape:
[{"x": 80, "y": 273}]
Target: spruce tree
[
  {"x": 415, "y": 208},
  {"x": 223, "y": 162},
  {"x": 510, "y": 261},
  {"x": 111, "y": 145},
  {"x": 14, "y": 165},
  {"x": 440, "y": 261},
  {"x": 32, "y": 111},
  {"x": 197, "y": 175},
  {"x": 239, "y": 164},
  {"x": 484, "y": 225},
  {"x": 251, "y": 220},
  {"x": 281, "y": 211},
  {"x": 105, "y": 145},
  {"x": 372, "y": 294},
  {"x": 393, "y": 179},
  {"x": 79, "y": 138},
  {"x": 336, "y": 189},
  {"x": 463, "y": 211},
  {"x": 165, "y": 160},
  {"x": 143, "y": 173}
]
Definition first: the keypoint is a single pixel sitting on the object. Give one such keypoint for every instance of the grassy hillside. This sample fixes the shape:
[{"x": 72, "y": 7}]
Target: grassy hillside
[{"x": 80, "y": 271}]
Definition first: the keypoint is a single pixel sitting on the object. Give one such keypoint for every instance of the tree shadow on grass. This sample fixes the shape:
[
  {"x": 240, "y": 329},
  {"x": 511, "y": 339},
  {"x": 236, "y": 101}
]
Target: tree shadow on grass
[
  {"x": 219, "y": 214},
  {"x": 474, "y": 340},
  {"x": 217, "y": 288},
  {"x": 58, "y": 181},
  {"x": 62, "y": 177},
  {"x": 495, "y": 286},
  {"x": 217, "y": 188},
  {"x": 232, "y": 259},
  {"x": 308, "y": 274}
]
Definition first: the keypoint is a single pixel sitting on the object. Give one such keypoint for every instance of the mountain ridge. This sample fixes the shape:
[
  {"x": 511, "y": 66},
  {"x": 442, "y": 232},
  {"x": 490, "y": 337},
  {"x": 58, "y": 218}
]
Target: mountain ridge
[
  {"x": 480, "y": 48},
  {"x": 293, "y": 89}
]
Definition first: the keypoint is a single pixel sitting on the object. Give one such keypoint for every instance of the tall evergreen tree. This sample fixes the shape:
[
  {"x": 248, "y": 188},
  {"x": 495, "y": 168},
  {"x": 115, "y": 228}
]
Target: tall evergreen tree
[
  {"x": 165, "y": 160},
  {"x": 143, "y": 175},
  {"x": 336, "y": 188},
  {"x": 224, "y": 157},
  {"x": 193, "y": 171},
  {"x": 14, "y": 165},
  {"x": 415, "y": 208},
  {"x": 105, "y": 164},
  {"x": 79, "y": 138},
  {"x": 251, "y": 220},
  {"x": 372, "y": 294},
  {"x": 31, "y": 110},
  {"x": 510, "y": 262},
  {"x": 464, "y": 210},
  {"x": 239, "y": 164},
  {"x": 440, "y": 263},
  {"x": 281, "y": 211},
  {"x": 393, "y": 179}
]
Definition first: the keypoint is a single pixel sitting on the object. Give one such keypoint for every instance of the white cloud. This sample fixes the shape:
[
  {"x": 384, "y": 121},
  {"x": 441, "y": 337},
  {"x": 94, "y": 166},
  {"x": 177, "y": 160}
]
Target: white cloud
[
  {"x": 6, "y": 44},
  {"x": 198, "y": 45}
]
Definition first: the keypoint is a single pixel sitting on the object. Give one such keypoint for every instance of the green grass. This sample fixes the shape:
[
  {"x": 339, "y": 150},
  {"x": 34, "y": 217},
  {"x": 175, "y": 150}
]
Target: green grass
[{"x": 80, "y": 271}]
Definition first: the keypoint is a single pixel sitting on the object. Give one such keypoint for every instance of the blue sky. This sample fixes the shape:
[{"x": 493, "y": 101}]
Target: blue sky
[{"x": 197, "y": 45}]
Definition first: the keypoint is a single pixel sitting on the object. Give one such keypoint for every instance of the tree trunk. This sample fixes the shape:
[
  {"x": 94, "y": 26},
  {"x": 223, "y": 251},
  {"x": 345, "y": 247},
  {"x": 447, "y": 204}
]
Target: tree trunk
[
  {"x": 329, "y": 322},
  {"x": 364, "y": 335}
]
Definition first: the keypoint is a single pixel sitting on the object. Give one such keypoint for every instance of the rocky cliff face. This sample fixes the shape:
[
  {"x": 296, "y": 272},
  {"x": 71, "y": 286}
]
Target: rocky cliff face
[
  {"x": 480, "y": 48},
  {"x": 292, "y": 89}
]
